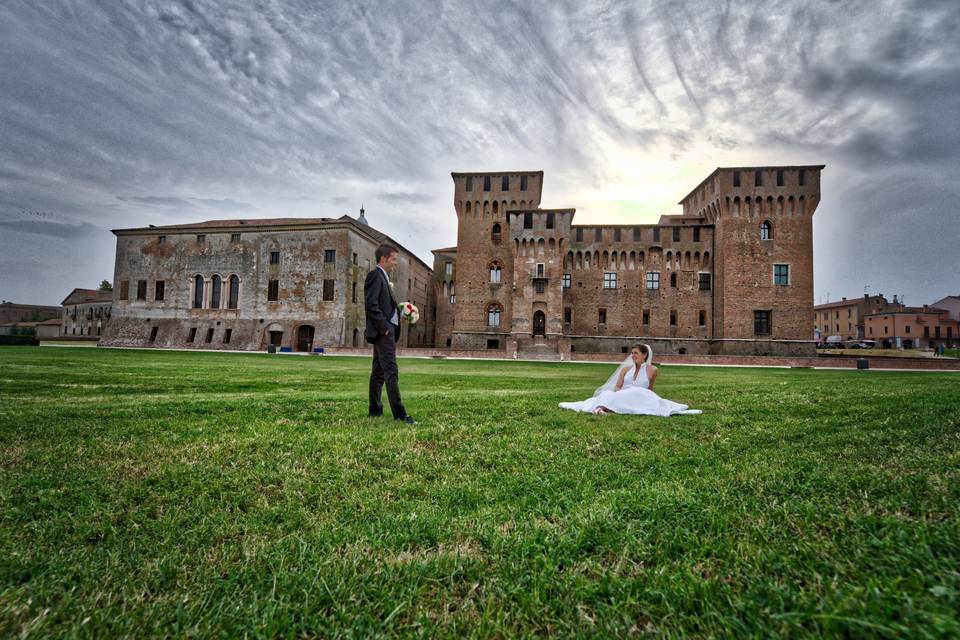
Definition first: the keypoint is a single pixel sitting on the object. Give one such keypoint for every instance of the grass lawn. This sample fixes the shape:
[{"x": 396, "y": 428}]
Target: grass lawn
[{"x": 191, "y": 494}]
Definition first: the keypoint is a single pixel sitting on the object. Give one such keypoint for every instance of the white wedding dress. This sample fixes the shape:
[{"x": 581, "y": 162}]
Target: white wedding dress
[{"x": 634, "y": 397}]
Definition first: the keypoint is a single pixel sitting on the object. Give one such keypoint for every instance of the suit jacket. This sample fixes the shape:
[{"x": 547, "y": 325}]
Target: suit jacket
[{"x": 378, "y": 305}]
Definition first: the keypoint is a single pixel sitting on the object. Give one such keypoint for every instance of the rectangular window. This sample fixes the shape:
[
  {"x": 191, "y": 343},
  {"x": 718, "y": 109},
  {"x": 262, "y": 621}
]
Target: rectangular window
[
  {"x": 227, "y": 334},
  {"x": 161, "y": 239},
  {"x": 201, "y": 238},
  {"x": 234, "y": 237},
  {"x": 486, "y": 183},
  {"x": 602, "y": 316},
  {"x": 676, "y": 234},
  {"x": 599, "y": 235},
  {"x": 528, "y": 221},
  {"x": 801, "y": 177},
  {"x": 781, "y": 276},
  {"x": 653, "y": 279},
  {"x": 779, "y": 177},
  {"x": 328, "y": 290},
  {"x": 153, "y": 334},
  {"x": 758, "y": 178},
  {"x": 702, "y": 318},
  {"x": 656, "y": 234},
  {"x": 610, "y": 280},
  {"x": 539, "y": 285},
  {"x": 193, "y": 334},
  {"x": 907, "y": 330},
  {"x": 209, "y": 335},
  {"x": 158, "y": 289},
  {"x": 673, "y": 318},
  {"x": 493, "y": 343},
  {"x": 567, "y": 315},
  {"x": 274, "y": 257},
  {"x": 448, "y": 268},
  {"x": 273, "y": 290},
  {"x": 330, "y": 256},
  {"x": 539, "y": 269},
  {"x": 646, "y": 317},
  {"x": 354, "y": 295},
  {"x": 141, "y": 289},
  {"x": 505, "y": 183},
  {"x": 550, "y": 220},
  {"x": 566, "y": 281},
  {"x": 469, "y": 186},
  {"x": 616, "y": 234},
  {"x": 704, "y": 282},
  {"x": 493, "y": 317},
  {"x": 636, "y": 234},
  {"x": 736, "y": 178},
  {"x": 761, "y": 323},
  {"x": 124, "y": 289},
  {"x": 696, "y": 234},
  {"x": 580, "y": 234},
  {"x": 523, "y": 183},
  {"x": 354, "y": 259}
]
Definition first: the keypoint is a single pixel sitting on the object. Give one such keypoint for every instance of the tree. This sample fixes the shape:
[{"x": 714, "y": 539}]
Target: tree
[{"x": 106, "y": 286}]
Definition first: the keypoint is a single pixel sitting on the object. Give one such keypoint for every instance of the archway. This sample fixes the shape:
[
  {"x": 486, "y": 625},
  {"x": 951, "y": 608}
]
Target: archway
[
  {"x": 305, "y": 338},
  {"x": 539, "y": 324}
]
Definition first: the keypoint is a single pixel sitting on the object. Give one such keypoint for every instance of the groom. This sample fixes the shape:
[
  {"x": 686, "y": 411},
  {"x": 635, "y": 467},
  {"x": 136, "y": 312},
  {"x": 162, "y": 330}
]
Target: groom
[{"x": 383, "y": 331}]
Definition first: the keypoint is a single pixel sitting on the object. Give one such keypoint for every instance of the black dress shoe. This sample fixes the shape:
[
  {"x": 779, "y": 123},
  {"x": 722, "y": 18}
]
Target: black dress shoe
[
  {"x": 374, "y": 415},
  {"x": 407, "y": 420}
]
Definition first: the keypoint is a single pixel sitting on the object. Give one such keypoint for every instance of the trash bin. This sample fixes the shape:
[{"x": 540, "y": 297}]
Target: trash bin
[
  {"x": 863, "y": 363},
  {"x": 271, "y": 348}
]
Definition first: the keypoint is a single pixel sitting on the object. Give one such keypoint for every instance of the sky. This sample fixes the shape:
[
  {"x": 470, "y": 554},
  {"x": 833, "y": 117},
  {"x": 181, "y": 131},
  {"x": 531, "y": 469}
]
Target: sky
[{"x": 116, "y": 115}]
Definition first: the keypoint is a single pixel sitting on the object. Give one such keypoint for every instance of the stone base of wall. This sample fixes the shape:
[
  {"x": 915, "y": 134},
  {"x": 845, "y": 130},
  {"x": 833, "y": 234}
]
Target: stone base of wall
[
  {"x": 621, "y": 345},
  {"x": 763, "y": 348},
  {"x": 479, "y": 340}
]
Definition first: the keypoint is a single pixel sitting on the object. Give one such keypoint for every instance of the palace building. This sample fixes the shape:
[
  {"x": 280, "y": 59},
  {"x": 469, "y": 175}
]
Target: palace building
[{"x": 732, "y": 274}]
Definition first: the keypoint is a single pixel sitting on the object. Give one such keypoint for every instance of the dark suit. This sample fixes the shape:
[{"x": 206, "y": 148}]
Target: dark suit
[{"x": 379, "y": 307}]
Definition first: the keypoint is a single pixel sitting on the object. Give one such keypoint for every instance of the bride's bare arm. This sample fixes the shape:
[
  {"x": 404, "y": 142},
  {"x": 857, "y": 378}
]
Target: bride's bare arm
[
  {"x": 652, "y": 375},
  {"x": 623, "y": 374}
]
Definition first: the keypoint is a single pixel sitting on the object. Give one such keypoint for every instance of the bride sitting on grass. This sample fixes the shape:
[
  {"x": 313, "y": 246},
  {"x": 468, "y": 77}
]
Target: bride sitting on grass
[{"x": 630, "y": 390}]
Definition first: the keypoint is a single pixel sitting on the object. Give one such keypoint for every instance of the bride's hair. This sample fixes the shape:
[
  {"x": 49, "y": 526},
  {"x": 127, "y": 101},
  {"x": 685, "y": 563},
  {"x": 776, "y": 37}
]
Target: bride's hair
[{"x": 644, "y": 349}]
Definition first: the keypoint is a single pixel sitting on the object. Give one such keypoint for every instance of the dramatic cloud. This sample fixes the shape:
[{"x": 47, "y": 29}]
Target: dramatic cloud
[{"x": 162, "y": 111}]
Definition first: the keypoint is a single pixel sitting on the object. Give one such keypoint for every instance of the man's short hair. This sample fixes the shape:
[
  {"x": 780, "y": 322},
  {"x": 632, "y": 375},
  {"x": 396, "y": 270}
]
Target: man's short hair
[{"x": 385, "y": 251}]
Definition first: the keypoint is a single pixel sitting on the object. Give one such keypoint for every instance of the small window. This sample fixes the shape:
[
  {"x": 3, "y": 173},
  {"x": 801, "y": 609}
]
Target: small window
[
  {"x": 673, "y": 318},
  {"x": 124, "y": 289},
  {"x": 495, "y": 232},
  {"x": 448, "y": 268},
  {"x": 505, "y": 183},
  {"x": 550, "y": 220},
  {"x": 779, "y": 177},
  {"x": 153, "y": 334},
  {"x": 610, "y": 280},
  {"x": 528, "y": 221},
  {"x": 193, "y": 334},
  {"x": 766, "y": 230},
  {"x": 676, "y": 234},
  {"x": 758, "y": 178},
  {"x": 492, "y": 343},
  {"x": 646, "y": 317},
  {"x": 705, "y": 282},
  {"x": 523, "y": 183},
  {"x": 158, "y": 290},
  {"x": 702, "y": 318},
  {"x": 353, "y": 296},
  {"x": 495, "y": 273},
  {"x": 761, "y": 323},
  {"x": 580, "y": 234},
  {"x": 696, "y": 234},
  {"x": 201, "y": 238},
  {"x": 540, "y": 285},
  {"x": 636, "y": 234},
  {"x": 209, "y": 335},
  {"x": 653, "y": 279},
  {"x": 539, "y": 269},
  {"x": 354, "y": 259},
  {"x": 781, "y": 274},
  {"x": 736, "y": 178},
  {"x": 486, "y": 183},
  {"x": 141, "y": 289},
  {"x": 801, "y": 177},
  {"x": 656, "y": 234},
  {"x": 469, "y": 185},
  {"x": 673, "y": 280},
  {"x": 330, "y": 256},
  {"x": 273, "y": 290},
  {"x": 566, "y": 281},
  {"x": 598, "y": 236},
  {"x": 227, "y": 334},
  {"x": 616, "y": 234},
  {"x": 328, "y": 290},
  {"x": 161, "y": 239},
  {"x": 453, "y": 294},
  {"x": 274, "y": 257},
  {"x": 234, "y": 237},
  {"x": 493, "y": 316},
  {"x": 567, "y": 315},
  {"x": 602, "y": 316}
]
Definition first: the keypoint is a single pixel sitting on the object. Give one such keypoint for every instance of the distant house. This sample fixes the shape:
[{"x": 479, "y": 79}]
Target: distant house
[
  {"x": 11, "y": 312},
  {"x": 951, "y": 304},
  {"x": 86, "y": 312},
  {"x": 48, "y": 328}
]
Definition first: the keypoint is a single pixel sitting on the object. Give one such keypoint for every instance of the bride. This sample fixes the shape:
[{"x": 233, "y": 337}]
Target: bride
[{"x": 630, "y": 390}]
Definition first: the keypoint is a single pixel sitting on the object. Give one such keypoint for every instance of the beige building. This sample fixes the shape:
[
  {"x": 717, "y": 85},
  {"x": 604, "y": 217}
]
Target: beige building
[
  {"x": 86, "y": 312},
  {"x": 295, "y": 283},
  {"x": 845, "y": 318}
]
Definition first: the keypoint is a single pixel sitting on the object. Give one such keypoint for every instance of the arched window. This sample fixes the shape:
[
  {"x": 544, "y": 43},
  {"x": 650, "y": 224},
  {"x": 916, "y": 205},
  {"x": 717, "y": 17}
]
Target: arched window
[
  {"x": 234, "y": 296},
  {"x": 495, "y": 232},
  {"x": 467, "y": 208},
  {"x": 494, "y": 273},
  {"x": 493, "y": 314},
  {"x": 496, "y": 207},
  {"x": 736, "y": 207},
  {"x": 669, "y": 259},
  {"x": 766, "y": 230},
  {"x": 673, "y": 280},
  {"x": 198, "y": 292},
  {"x": 800, "y": 204},
  {"x": 216, "y": 284},
  {"x": 780, "y": 206}
]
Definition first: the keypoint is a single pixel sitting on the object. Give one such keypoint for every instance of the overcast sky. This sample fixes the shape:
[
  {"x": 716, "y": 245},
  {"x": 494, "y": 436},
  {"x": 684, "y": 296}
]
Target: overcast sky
[{"x": 160, "y": 112}]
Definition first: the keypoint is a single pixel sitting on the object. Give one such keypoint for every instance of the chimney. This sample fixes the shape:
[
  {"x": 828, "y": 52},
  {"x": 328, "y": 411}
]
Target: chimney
[
  {"x": 362, "y": 219},
  {"x": 844, "y": 299}
]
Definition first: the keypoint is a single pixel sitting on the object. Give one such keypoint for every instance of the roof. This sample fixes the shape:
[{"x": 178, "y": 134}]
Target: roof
[
  {"x": 80, "y": 296},
  {"x": 447, "y": 250},
  {"x": 477, "y": 174},
  {"x": 911, "y": 311},
  {"x": 848, "y": 302},
  {"x": 818, "y": 167},
  {"x": 50, "y": 322},
  {"x": 39, "y": 307}
]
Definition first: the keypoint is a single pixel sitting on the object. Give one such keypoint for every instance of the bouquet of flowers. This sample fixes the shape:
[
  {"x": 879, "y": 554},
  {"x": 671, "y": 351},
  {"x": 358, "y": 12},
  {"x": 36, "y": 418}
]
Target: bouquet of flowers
[{"x": 409, "y": 312}]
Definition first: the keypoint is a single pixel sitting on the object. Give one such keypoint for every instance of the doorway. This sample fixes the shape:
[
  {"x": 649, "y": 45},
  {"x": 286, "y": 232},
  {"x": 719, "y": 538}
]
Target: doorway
[
  {"x": 305, "y": 338},
  {"x": 539, "y": 324}
]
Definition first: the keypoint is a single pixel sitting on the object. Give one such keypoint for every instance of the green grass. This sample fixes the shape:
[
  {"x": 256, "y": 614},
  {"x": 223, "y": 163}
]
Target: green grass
[
  {"x": 952, "y": 353},
  {"x": 191, "y": 494}
]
